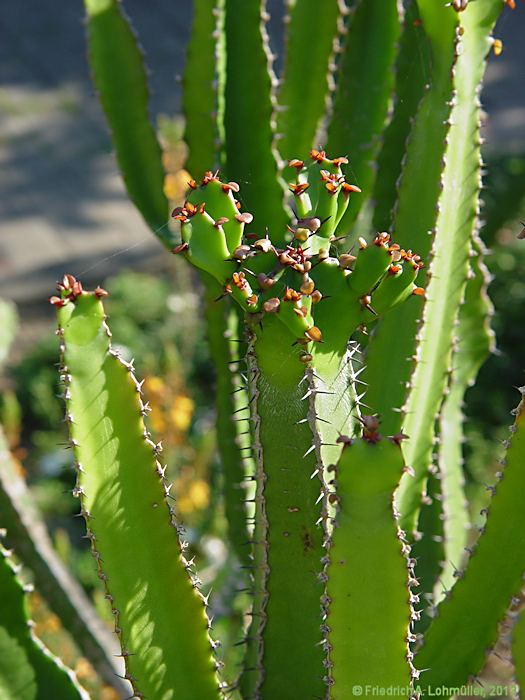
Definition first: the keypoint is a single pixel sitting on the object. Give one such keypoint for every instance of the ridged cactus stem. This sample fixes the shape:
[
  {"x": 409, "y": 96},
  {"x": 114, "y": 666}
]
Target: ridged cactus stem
[
  {"x": 418, "y": 191},
  {"x": 301, "y": 308},
  {"x": 158, "y": 611},
  {"x": 474, "y": 342},
  {"x": 312, "y": 39},
  {"x": 28, "y": 670},
  {"x": 410, "y": 78},
  {"x": 285, "y": 630},
  {"x": 27, "y": 533},
  {"x": 518, "y": 648},
  {"x": 249, "y": 128},
  {"x": 229, "y": 442},
  {"x": 200, "y": 96},
  {"x": 365, "y": 78},
  {"x": 458, "y": 209},
  {"x": 119, "y": 74},
  {"x": 467, "y": 619},
  {"x": 368, "y": 570}
]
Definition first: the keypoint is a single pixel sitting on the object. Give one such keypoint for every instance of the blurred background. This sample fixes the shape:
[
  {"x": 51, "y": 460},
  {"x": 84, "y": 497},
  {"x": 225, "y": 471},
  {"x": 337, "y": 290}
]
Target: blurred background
[{"x": 63, "y": 209}]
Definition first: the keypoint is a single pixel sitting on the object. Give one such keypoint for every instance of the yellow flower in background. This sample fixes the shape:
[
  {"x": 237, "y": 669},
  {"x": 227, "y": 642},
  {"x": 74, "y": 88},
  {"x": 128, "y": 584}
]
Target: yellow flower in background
[
  {"x": 172, "y": 410},
  {"x": 192, "y": 496},
  {"x": 176, "y": 184},
  {"x": 181, "y": 413}
]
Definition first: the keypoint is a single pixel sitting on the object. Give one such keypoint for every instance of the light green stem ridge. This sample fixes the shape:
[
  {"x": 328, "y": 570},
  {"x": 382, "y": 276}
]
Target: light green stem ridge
[
  {"x": 287, "y": 625},
  {"x": 467, "y": 623},
  {"x": 368, "y": 571},
  {"x": 203, "y": 110},
  {"x": 365, "y": 79},
  {"x": 411, "y": 71},
  {"x": 36, "y": 674},
  {"x": 218, "y": 314},
  {"x": 248, "y": 116},
  {"x": 119, "y": 75},
  {"x": 518, "y": 651},
  {"x": 159, "y": 614},
  {"x": 334, "y": 380},
  {"x": 199, "y": 95},
  {"x": 27, "y": 533},
  {"x": 458, "y": 207},
  {"x": 311, "y": 38},
  {"x": 475, "y": 340},
  {"x": 428, "y": 551},
  {"x": 336, "y": 400},
  {"x": 253, "y": 669},
  {"x": 419, "y": 188}
]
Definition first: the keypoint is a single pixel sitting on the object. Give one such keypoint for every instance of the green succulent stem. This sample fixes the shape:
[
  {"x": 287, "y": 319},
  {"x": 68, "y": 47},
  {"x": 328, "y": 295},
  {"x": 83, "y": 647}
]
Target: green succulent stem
[
  {"x": 159, "y": 615},
  {"x": 28, "y": 671},
  {"x": 285, "y": 629},
  {"x": 368, "y": 569}
]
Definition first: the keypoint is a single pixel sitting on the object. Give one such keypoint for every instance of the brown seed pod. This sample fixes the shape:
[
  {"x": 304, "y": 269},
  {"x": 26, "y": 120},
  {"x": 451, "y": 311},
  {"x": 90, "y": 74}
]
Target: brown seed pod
[
  {"x": 57, "y": 301},
  {"x": 305, "y": 358},
  {"x": 307, "y": 286},
  {"x": 419, "y": 292},
  {"x": 296, "y": 163},
  {"x": 366, "y": 300},
  {"x": 264, "y": 281},
  {"x": 316, "y": 297},
  {"x": 239, "y": 280},
  {"x": 220, "y": 221},
  {"x": 70, "y": 286},
  {"x": 314, "y": 334},
  {"x": 208, "y": 177},
  {"x": 241, "y": 252},
  {"x": 349, "y": 189},
  {"x": 312, "y": 223},
  {"x": 319, "y": 156},
  {"x": 396, "y": 255},
  {"x": 382, "y": 239},
  {"x": 346, "y": 260},
  {"x": 301, "y": 234},
  {"x": 271, "y": 306},
  {"x": 299, "y": 187},
  {"x": 291, "y": 295},
  {"x": 244, "y": 218},
  {"x": 263, "y": 244},
  {"x": 301, "y": 311},
  {"x": 286, "y": 259},
  {"x": 99, "y": 293}
]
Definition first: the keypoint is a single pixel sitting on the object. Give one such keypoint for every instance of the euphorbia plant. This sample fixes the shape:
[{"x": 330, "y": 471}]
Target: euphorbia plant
[{"x": 351, "y": 378}]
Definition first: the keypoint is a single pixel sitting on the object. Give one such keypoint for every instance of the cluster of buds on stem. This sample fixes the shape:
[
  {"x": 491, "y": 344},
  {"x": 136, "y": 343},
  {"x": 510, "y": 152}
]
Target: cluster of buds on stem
[{"x": 298, "y": 274}]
